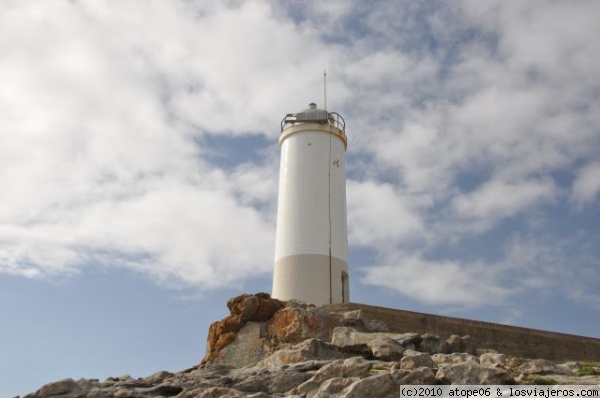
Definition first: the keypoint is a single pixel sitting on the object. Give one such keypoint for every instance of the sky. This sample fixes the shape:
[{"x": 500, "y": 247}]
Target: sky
[{"x": 139, "y": 166}]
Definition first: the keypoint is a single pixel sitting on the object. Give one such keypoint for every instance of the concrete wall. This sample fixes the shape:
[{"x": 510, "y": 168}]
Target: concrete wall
[{"x": 512, "y": 340}]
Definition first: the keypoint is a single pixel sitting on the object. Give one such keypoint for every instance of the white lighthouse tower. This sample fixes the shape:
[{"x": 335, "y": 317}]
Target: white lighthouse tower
[{"x": 311, "y": 248}]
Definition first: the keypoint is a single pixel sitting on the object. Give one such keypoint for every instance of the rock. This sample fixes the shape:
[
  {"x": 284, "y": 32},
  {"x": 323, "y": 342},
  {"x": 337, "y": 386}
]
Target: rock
[
  {"x": 98, "y": 393},
  {"x": 244, "y": 308},
  {"x": 432, "y": 344},
  {"x": 254, "y": 307},
  {"x": 282, "y": 382},
  {"x": 352, "y": 341},
  {"x": 161, "y": 390},
  {"x": 220, "y": 334},
  {"x": 514, "y": 362},
  {"x": 408, "y": 340},
  {"x": 158, "y": 377},
  {"x": 353, "y": 318},
  {"x": 329, "y": 388},
  {"x": 310, "y": 349},
  {"x": 353, "y": 368},
  {"x": 422, "y": 375},
  {"x": 379, "y": 385},
  {"x": 455, "y": 359},
  {"x": 66, "y": 388},
  {"x": 569, "y": 366},
  {"x": 461, "y": 344},
  {"x": 267, "y": 348},
  {"x": 375, "y": 325},
  {"x": 386, "y": 349},
  {"x": 298, "y": 322},
  {"x": 473, "y": 374},
  {"x": 213, "y": 392},
  {"x": 540, "y": 366},
  {"x": 492, "y": 360},
  {"x": 414, "y": 360}
]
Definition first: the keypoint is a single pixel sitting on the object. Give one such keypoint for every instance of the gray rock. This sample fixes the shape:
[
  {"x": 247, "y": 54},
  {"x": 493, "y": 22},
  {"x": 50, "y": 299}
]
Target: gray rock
[
  {"x": 310, "y": 349},
  {"x": 540, "y": 366},
  {"x": 416, "y": 360},
  {"x": 569, "y": 366},
  {"x": 330, "y": 387},
  {"x": 379, "y": 385},
  {"x": 422, "y": 375},
  {"x": 408, "y": 340},
  {"x": 259, "y": 395},
  {"x": 306, "y": 366},
  {"x": 432, "y": 344},
  {"x": 161, "y": 390},
  {"x": 66, "y": 388},
  {"x": 386, "y": 349},
  {"x": 158, "y": 377},
  {"x": 492, "y": 360},
  {"x": 353, "y": 318},
  {"x": 461, "y": 344},
  {"x": 473, "y": 374},
  {"x": 352, "y": 341},
  {"x": 356, "y": 367},
  {"x": 455, "y": 359},
  {"x": 213, "y": 392},
  {"x": 282, "y": 382}
]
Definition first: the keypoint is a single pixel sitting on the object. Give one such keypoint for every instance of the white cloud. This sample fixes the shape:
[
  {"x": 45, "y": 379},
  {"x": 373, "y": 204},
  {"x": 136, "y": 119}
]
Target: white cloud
[
  {"x": 439, "y": 281},
  {"x": 499, "y": 199},
  {"x": 99, "y": 160},
  {"x": 587, "y": 184},
  {"x": 378, "y": 215}
]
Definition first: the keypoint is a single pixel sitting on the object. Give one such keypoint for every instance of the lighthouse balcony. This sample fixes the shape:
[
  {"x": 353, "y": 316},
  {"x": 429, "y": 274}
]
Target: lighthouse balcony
[{"x": 314, "y": 115}]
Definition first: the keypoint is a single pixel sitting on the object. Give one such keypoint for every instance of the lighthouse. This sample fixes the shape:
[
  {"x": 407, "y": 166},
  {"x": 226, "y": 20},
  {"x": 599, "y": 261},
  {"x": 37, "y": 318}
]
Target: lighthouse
[{"x": 311, "y": 246}]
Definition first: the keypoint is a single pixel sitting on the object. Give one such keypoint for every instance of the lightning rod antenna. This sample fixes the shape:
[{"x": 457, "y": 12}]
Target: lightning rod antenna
[{"x": 325, "y": 88}]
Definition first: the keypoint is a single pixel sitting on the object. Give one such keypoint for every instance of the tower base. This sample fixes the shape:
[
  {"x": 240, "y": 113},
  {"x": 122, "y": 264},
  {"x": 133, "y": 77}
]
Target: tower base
[{"x": 311, "y": 278}]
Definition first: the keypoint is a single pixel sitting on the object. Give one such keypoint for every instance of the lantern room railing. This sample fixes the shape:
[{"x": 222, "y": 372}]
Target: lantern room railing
[{"x": 334, "y": 119}]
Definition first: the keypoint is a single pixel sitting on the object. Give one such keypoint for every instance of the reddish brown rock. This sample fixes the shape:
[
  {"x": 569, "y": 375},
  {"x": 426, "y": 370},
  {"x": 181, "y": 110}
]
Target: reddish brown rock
[
  {"x": 299, "y": 321},
  {"x": 244, "y": 308}
]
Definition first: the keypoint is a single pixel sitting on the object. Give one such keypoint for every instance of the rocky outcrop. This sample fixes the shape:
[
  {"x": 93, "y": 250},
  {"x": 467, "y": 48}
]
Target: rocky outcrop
[
  {"x": 268, "y": 348},
  {"x": 243, "y": 309}
]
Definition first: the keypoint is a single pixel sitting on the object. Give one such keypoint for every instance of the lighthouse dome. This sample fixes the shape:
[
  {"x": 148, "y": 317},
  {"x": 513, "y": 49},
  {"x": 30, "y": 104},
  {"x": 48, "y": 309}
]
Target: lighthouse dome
[{"x": 312, "y": 113}]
